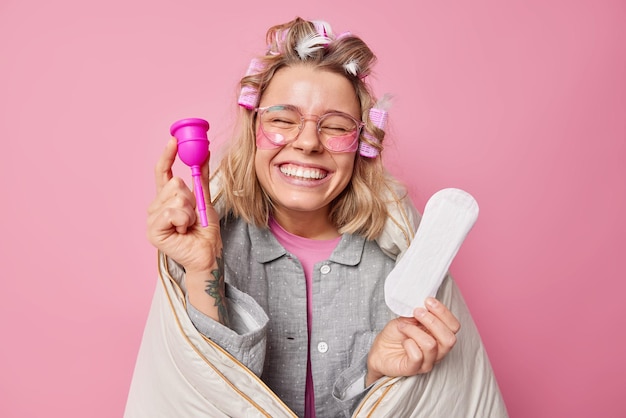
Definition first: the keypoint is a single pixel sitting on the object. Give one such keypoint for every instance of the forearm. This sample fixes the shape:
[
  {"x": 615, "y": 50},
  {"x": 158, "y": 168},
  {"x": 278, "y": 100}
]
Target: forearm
[{"x": 205, "y": 289}]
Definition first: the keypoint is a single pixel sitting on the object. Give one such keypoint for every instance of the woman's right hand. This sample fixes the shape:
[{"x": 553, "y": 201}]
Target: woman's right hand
[{"x": 173, "y": 222}]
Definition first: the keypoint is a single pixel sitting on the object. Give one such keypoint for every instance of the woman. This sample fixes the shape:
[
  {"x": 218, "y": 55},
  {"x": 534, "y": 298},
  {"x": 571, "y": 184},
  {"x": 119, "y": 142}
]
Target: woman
[{"x": 288, "y": 277}]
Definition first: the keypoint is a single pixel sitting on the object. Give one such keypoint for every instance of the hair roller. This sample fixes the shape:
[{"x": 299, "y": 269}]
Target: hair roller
[
  {"x": 249, "y": 96},
  {"x": 379, "y": 118}
]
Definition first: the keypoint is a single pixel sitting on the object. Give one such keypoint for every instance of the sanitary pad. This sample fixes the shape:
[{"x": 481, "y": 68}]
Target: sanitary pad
[{"x": 447, "y": 219}]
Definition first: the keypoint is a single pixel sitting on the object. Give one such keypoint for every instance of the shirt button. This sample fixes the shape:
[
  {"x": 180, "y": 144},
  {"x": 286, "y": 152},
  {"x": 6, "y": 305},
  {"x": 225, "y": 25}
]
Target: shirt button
[
  {"x": 325, "y": 269},
  {"x": 322, "y": 347}
]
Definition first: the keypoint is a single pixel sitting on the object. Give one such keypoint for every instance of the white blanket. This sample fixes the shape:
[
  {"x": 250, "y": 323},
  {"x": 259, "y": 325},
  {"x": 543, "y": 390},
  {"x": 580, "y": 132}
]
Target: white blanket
[{"x": 179, "y": 373}]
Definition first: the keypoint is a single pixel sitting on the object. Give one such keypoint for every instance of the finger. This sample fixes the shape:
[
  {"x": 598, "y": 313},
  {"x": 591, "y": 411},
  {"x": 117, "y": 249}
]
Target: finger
[
  {"x": 174, "y": 193},
  {"x": 204, "y": 169},
  {"x": 205, "y": 181},
  {"x": 163, "y": 168},
  {"x": 426, "y": 343},
  {"x": 442, "y": 312},
  {"x": 415, "y": 358},
  {"x": 171, "y": 218},
  {"x": 443, "y": 336},
  {"x": 176, "y": 204}
]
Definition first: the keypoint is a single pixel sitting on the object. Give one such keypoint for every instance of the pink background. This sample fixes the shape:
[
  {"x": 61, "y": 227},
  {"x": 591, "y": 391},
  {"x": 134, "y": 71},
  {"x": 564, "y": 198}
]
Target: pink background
[{"x": 521, "y": 103}]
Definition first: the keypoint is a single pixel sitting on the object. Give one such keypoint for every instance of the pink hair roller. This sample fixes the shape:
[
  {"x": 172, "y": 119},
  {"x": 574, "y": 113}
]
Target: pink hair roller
[
  {"x": 249, "y": 96},
  {"x": 343, "y": 35},
  {"x": 379, "y": 119},
  {"x": 193, "y": 150},
  {"x": 320, "y": 27}
]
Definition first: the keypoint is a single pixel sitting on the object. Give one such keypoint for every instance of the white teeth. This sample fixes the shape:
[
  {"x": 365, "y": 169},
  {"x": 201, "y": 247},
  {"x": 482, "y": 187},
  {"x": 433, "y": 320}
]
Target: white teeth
[{"x": 305, "y": 173}]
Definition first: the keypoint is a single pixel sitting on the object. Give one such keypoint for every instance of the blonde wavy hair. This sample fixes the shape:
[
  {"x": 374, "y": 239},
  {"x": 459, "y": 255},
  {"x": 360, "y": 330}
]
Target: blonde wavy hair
[{"x": 362, "y": 206}]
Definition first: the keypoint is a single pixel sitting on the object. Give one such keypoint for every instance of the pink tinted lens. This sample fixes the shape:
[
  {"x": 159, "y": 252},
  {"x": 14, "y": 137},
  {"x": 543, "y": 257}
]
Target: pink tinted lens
[
  {"x": 344, "y": 143},
  {"x": 269, "y": 140}
]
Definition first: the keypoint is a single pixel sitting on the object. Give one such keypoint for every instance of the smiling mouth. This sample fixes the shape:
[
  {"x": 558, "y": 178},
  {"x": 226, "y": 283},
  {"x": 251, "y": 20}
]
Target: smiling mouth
[{"x": 304, "y": 173}]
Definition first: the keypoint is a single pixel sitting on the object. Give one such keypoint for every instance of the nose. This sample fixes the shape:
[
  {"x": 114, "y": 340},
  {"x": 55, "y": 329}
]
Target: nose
[{"x": 308, "y": 140}]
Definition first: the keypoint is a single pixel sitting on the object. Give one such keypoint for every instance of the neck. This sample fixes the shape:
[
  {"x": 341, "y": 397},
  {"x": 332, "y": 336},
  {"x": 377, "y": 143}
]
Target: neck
[{"x": 312, "y": 225}]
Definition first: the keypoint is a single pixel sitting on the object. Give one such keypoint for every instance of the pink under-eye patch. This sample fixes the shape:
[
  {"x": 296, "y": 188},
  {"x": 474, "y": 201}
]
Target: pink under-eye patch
[
  {"x": 268, "y": 141},
  {"x": 344, "y": 143}
]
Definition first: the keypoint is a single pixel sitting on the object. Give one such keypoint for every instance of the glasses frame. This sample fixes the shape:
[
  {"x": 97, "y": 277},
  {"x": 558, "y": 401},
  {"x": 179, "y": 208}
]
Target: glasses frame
[{"x": 318, "y": 119}]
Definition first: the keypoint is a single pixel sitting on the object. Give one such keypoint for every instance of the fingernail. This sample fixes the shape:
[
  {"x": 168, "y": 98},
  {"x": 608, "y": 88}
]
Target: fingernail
[
  {"x": 419, "y": 312},
  {"x": 432, "y": 302}
]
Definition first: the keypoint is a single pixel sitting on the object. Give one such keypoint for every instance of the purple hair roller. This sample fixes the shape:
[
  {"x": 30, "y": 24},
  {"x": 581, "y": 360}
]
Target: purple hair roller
[
  {"x": 379, "y": 119},
  {"x": 193, "y": 150}
]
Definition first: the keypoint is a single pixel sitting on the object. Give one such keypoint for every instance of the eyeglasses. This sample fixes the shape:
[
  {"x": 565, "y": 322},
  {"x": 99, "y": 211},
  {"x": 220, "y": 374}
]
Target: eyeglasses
[{"x": 282, "y": 124}]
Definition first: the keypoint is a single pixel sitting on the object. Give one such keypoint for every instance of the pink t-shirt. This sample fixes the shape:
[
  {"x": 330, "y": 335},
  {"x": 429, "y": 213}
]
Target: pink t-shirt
[{"x": 309, "y": 252}]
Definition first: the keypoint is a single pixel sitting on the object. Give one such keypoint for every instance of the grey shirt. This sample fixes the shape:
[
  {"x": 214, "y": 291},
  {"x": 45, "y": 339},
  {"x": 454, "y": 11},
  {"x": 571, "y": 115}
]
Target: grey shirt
[{"x": 266, "y": 288}]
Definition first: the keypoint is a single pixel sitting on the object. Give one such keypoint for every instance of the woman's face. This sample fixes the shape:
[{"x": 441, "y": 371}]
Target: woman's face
[{"x": 303, "y": 176}]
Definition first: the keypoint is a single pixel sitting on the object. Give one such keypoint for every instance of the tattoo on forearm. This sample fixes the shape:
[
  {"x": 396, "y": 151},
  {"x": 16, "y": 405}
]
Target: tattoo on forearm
[{"x": 216, "y": 289}]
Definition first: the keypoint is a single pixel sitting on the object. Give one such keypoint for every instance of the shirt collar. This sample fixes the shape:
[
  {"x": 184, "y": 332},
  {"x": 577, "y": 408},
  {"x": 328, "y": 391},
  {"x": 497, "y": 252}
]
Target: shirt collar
[{"x": 267, "y": 248}]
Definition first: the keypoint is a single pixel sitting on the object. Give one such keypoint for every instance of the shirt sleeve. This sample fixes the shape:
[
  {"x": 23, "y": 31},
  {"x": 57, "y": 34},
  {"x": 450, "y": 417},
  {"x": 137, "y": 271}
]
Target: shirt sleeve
[
  {"x": 349, "y": 387},
  {"x": 247, "y": 336}
]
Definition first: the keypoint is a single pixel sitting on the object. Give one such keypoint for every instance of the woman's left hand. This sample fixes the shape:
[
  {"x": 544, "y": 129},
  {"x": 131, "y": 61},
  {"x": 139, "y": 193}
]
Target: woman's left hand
[{"x": 410, "y": 346}]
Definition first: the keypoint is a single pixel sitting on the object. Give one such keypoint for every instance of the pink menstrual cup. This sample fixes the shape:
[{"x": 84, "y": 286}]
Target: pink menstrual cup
[{"x": 193, "y": 150}]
